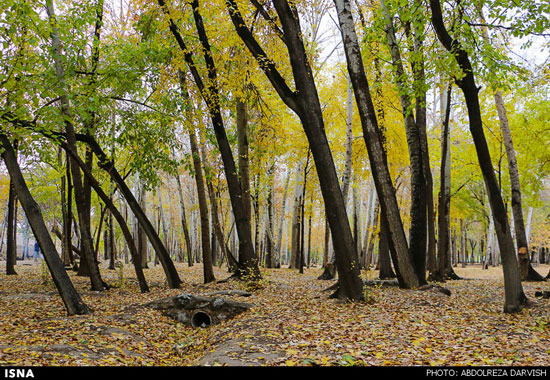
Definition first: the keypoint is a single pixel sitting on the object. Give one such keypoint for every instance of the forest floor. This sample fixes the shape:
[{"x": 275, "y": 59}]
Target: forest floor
[{"x": 292, "y": 322}]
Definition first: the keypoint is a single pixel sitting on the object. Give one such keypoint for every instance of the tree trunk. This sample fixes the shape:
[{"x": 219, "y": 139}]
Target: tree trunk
[
  {"x": 443, "y": 243},
  {"x": 270, "y": 244},
  {"x": 184, "y": 226},
  {"x": 295, "y": 246},
  {"x": 80, "y": 195},
  {"x": 384, "y": 258},
  {"x": 417, "y": 232},
  {"x": 11, "y": 241},
  {"x": 305, "y": 103},
  {"x": 515, "y": 298},
  {"x": 386, "y": 192},
  {"x": 281, "y": 223},
  {"x": 69, "y": 295}
]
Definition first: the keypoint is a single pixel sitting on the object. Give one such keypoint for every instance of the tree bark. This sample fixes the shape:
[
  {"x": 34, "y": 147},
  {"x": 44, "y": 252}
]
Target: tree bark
[
  {"x": 69, "y": 295},
  {"x": 248, "y": 263},
  {"x": 11, "y": 240},
  {"x": 417, "y": 232},
  {"x": 185, "y": 227},
  {"x": 386, "y": 192},
  {"x": 80, "y": 196},
  {"x": 515, "y": 298}
]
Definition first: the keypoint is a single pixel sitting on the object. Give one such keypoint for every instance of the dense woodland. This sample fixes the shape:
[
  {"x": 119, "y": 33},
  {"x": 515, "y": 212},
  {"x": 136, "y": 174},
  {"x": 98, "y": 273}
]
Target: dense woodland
[{"x": 407, "y": 138}]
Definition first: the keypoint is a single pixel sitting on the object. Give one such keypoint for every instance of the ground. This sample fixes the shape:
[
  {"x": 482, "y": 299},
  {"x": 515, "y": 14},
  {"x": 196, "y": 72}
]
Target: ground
[{"x": 293, "y": 322}]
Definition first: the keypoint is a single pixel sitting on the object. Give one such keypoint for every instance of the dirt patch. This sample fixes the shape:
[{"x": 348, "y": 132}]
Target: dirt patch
[{"x": 239, "y": 352}]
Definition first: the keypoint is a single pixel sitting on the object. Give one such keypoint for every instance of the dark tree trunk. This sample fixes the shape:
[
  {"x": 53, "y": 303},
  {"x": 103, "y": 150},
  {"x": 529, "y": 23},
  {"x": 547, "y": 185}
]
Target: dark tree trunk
[
  {"x": 248, "y": 263},
  {"x": 515, "y": 298},
  {"x": 417, "y": 232},
  {"x": 66, "y": 203},
  {"x": 384, "y": 258},
  {"x": 305, "y": 103},
  {"x": 11, "y": 238},
  {"x": 270, "y": 244},
  {"x": 386, "y": 192},
  {"x": 208, "y": 271},
  {"x": 119, "y": 218},
  {"x": 11, "y": 241},
  {"x": 69, "y": 295}
]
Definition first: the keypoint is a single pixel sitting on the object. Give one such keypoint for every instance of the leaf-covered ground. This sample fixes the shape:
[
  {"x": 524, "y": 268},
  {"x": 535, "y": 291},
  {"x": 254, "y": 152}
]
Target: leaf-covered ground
[{"x": 292, "y": 323}]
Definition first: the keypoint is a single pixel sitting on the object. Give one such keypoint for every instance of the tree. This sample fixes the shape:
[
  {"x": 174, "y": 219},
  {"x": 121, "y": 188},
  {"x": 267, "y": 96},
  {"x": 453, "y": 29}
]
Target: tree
[
  {"x": 248, "y": 265},
  {"x": 417, "y": 232},
  {"x": 80, "y": 195},
  {"x": 515, "y": 298},
  {"x": 304, "y": 101},
  {"x": 69, "y": 295},
  {"x": 386, "y": 192},
  {"x": 527, "y": 272}
]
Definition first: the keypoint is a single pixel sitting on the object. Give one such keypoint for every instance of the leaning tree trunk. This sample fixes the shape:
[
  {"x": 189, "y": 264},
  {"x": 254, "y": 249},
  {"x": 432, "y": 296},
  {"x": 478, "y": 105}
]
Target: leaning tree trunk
[
  {"x": 80, "y": 196},
  {"x": 136, "y": 260},
  {"x": 386, "y": 192},
  {"x": 248, "y": 263},
  {"x": 527, "y": 272},
  {"x": 305, "y": 103},
  {"x": 515, "y": 298},
  {"x": 108, "y": 165},
  {"x": 69, "y": 295}
]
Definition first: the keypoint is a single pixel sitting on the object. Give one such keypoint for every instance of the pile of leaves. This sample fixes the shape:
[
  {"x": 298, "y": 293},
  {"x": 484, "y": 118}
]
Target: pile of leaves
[{"x": 293, "y": 322}]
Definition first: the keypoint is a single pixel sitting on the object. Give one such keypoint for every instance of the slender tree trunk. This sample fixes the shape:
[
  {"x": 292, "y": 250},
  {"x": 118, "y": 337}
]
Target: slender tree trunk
[
  {"x": 305, "y": 103},
  {"x": 270, "y": 244},
  {"x": 69, "y": 295},
  {"x": 242, "y": 139},
  {"x": 187, "y": 237},
  {"x": 295, "y": 247},
  {"x": 443, "y": 246},
  {"x": 348, "y": 167},
  {"x": 386, "y": 192},
  {"x": 281, "y": 223},
  {"x": 515, "y": 298},
  {"x": 417, "y": 232},
  {"x": 208, "y": 270},
  {"x": 80, "y": 195},
  {"x": 11, "y": 241}
]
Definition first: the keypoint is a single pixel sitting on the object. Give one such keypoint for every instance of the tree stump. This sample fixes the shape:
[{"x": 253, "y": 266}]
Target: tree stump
[{"x": 199, "y": 311}]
